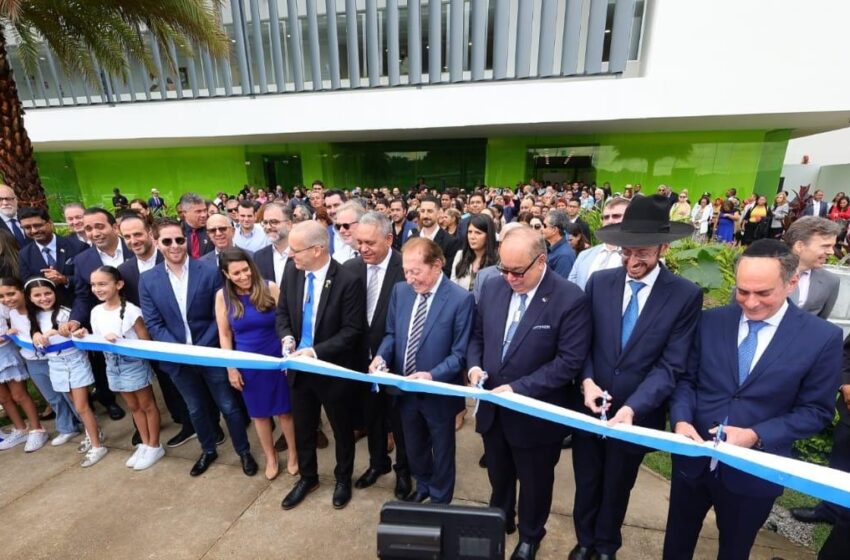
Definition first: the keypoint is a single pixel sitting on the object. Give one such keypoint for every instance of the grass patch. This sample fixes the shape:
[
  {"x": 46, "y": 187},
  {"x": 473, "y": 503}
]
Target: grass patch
[{"x": 659, "y": 462}]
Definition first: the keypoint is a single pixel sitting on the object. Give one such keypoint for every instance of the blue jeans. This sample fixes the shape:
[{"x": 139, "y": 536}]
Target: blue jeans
[
  {"x": 207, "y": 390},
  {"x": 66, "y": 416}
]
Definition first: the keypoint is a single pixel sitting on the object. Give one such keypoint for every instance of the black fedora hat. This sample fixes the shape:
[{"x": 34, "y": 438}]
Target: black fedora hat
[{"x": 646, "y": 222}]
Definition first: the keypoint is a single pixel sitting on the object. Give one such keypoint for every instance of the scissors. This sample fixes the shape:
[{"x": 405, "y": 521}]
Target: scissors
[
  {"x": 479, "y": 385},
  {"x": 720, "y": 436},
  {"x": 382, "y": 366},
  {"x": 603, "y": 416}
]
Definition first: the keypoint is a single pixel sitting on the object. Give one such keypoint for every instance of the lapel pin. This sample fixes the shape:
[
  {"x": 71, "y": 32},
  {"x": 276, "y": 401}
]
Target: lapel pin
[
  {"x": 327, "y": 284},
  {"x": 544, "y": 300}
]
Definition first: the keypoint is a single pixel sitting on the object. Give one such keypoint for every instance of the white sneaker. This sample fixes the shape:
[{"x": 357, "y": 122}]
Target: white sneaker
[
  {"x": 62, "y": 439},
  {"x": 35, "y": 440},
  {"x": 16, "y": 437},
  {"x": 151, "y": 456},
  {"x": 85, "y": 445},
  {"x": 141, "y": 449},
  {"x": 93, "y": 455}
]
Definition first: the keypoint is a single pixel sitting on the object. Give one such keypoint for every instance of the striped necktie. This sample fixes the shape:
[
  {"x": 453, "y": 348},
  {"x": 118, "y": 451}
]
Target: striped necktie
[
  {"x": 373, "y": 287},
  {"x": 416, "y": 334}
]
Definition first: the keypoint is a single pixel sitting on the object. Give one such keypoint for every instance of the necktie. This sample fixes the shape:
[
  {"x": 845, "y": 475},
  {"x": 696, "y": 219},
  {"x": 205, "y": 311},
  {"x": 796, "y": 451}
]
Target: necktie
[
  {"x": 372, "y": 290},
  {"x": 196, "y": 244},
  {"x": 747, "y": 349},
  {"x": 523, "y": 298},
  {"x": 630, "y": 317},
  {"x": 415, "y": 335},
  {"x": 307, "y": 318},
  {"x": 48, "y": 257},
  {"x": 19, "y": 235}
]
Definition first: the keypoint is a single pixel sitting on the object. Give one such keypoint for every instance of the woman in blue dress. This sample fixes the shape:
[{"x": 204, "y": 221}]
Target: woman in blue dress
[
  {"x": 245, "y": 314},
  {"x": 726, "y": 221}
]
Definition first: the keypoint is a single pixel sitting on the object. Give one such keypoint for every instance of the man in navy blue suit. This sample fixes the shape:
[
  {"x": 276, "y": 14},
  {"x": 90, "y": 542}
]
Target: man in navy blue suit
[
  {"x": 537, "y": 335},
  {"x": 429, "y": 321},
  {"x": 644, "y": 319},
  {"x": 177, "y": 298},
  {"x": 768, "y": 372}
]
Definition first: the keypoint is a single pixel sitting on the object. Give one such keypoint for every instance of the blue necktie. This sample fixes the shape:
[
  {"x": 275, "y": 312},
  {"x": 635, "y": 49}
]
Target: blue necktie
[
  {"x": 307, "y": 318},
  {"x": 19, "y": 235},
  {"x": 48, "y": 257},
  {"x": 747, "y": 349},
  {"x": 514, "y": 324},
  {"x": 630, "y": 317}
]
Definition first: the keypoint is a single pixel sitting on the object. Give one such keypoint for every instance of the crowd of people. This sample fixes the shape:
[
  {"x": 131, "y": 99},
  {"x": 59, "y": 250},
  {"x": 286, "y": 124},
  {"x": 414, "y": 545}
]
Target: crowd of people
[{"x": 496, "y": 288}]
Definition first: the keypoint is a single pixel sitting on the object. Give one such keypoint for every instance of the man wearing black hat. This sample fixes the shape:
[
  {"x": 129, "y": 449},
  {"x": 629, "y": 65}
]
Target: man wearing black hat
[{"x": 644, "y": 319}]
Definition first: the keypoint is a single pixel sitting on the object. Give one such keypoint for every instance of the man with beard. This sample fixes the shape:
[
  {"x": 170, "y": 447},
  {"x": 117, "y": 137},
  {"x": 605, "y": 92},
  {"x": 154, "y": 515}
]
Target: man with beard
[
  {"x": 428, "y": 214},
  {"x": 9, "y": 214}
]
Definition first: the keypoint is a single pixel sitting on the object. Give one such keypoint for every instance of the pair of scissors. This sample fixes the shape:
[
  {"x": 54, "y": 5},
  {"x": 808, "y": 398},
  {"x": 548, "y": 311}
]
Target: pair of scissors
[
  {"x": 603, "y": 416},
  {"x": 479, "y": 385},
  {"x": 382, "y": 366},
  {"x": 718, "y": 437}
]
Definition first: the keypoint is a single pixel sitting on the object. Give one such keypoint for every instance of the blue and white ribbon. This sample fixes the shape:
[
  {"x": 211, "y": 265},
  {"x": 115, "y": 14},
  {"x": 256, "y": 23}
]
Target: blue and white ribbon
[{"x": 822, "y": 482}]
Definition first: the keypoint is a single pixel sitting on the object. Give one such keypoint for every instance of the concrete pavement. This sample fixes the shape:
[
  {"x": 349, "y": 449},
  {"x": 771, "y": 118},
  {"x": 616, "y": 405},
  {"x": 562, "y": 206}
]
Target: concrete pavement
[{"x": 52, "y": 508}]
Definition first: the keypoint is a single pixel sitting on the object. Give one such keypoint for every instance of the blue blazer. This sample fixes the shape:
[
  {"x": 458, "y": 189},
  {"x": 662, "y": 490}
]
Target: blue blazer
[
  {"x": 130, "y": 274},
  {"x": 561, "y": 258},
  {"x": 31, "y": 262},
  {"x": 85, "y": 263},
  {"x": 789, "y": 395},
  {"x": 162, "y": 314},
  {"x": 644, "y": 373},
  {"x": 545, "y": 356},
  {"x": 442, "y": 349}
]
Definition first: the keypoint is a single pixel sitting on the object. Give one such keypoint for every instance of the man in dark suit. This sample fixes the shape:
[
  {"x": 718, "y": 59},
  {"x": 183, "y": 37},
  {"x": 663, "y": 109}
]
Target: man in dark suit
[
  {"x": 429, "y": 321},
  {"x": 156, "y": 204},
  {"x": 644, "y": 318},
  {"x": 574, "y": 215},
  {"x": 379, "y": 268},
  {"x": 107, "y": 249},
  {"x": 817, "y": 206},
  {"x": 271, "y": 259},
  {"x": 9, "y": 214},
  {"x": 138, "y": 236},
  {"x": 403, "y": 229},
  {"x": 51, "y": 256},
  {"x": 429, "y": 209},
  {"x": 536, "y": 339},
  {"x": 177, "y": 298},
  {"x": 768, "y": 372},
  {"x": 195, "y": 215},
  {"x": 813, "y": 240},
  {"x": 322, "y": 314}
]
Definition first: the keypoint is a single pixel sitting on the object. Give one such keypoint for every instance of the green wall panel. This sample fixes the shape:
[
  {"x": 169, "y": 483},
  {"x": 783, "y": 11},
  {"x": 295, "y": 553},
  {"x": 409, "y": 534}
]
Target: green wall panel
[{"x": 59, "y": 178}]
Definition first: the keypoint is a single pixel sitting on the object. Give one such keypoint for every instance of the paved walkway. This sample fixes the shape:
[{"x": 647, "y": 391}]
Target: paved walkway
[{"x": 52, "y": 508}]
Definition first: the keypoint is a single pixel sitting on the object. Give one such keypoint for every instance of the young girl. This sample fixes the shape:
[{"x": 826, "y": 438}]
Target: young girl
[
  {"x": 12, "y": 297},
  {"x": 13, "y": 393},
  {"x": 70, "y": 370},
  {"x": 113, "y": 319}
]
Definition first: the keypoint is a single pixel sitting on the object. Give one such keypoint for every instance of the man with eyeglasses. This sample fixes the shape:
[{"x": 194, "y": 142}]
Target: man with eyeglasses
[
  {"x": 347, "y": 217},
  {"x": 561, "y": 255},
  {"x": 9, "y": 214},
  {"x": 178, "y": 304},
  {"x": 535, "y": 342},
  {"x": 249, "y": 235},
  {"x": 574, "y": 207},
  {"x": 231, "y": 207},
  {"x": 644, "y": 319},
  {"x": 220, "y": 231},
  {"x": 602, "y": 256},
  {"x": 271, "y": 259}
]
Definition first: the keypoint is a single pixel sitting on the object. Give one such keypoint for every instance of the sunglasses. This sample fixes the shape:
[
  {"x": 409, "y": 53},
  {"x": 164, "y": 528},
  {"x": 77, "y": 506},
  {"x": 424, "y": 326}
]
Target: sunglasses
[
  {"x": 229, "y": 210},
  {"x": 611, "y": 216},
  {"x": 346, "y": 227},
  {"x": 167, "y": 241},
  {"x": 217, "y": 230}
]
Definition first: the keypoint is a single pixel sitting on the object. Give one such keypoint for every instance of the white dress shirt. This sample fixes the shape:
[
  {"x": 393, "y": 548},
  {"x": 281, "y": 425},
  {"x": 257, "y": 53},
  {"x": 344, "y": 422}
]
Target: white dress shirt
[
  {"x": 116, "y": 260},
  {"x": 380, "y": 270},
  {"x": 279, "y": 262},
  {"x": 318, "y": 286},
  {"x": 644, "y": 292},
  {"x": 607, "y": 258},
  {"x": 343, "y": 252},
  {"x": 253, "y": 241},
  {"x": 180, "y": 287},
  {"x": 146, "y": 264},
  {"x": 765, "y": 335},
  {"x": 803, "y": 286},
  {"x": 513, "y": 306}
]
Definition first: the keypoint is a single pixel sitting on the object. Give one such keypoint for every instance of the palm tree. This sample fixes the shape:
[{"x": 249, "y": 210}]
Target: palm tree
[{"x": 76, "y": 31}]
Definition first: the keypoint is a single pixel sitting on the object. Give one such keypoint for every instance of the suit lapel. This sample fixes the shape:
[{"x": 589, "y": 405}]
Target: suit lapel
[
  {"x": 729, "y": 343},
  {"x": 193, "y": 286},
  {"x": 654, "y": 304},
  {"x": 529, "y": 319},
  {"x": 615, "y": 308},
  {"x": 326, "y": 290},
  {"x": 436, "y": 306},
  {"x": 782, "y": 339},
  {"x": 392, "y": 272},
  {"x": 168, "y": 293},
  {"x": 297, "y": 308},
  {"x": 405, "y": 315}
]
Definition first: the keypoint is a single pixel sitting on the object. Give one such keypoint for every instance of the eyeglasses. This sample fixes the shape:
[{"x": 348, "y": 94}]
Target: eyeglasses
[
  {"x": 537, "y": 226},
  {"x": 8, "y": 199},
  {"x": 296, "y": 251},
  {"x": 521, "y": 273},
  {"x": 611, "y": 216},
  {"x": 274, "y": 223},
  {"x": 346, "y": 227},
  {"x": 27, "y": 227},
  {"x": 641, "y": 256},
  {"x": 229, "y": 210},
  {"x": 167, "y": 241},
  {"x": 217, "y": 230}
]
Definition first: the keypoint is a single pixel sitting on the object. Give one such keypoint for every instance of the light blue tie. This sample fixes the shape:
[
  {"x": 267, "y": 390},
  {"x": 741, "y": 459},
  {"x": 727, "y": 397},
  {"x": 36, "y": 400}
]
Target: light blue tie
[
  {"x": 307, "y": 318},
  {"x": 747, "y": 349},
  {"x": 630, "y": 317},
  {"x": 514, "y": 324}
]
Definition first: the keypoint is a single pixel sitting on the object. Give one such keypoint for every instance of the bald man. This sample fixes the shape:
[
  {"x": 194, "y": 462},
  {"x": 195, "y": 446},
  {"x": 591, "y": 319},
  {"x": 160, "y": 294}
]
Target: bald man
[{"x": 220, "y": 231}]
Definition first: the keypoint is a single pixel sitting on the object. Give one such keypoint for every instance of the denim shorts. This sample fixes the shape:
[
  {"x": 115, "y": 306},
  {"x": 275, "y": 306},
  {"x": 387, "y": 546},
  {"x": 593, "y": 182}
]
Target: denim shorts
[
  {"x": 70, "y": 370},
  {"x": 126, "y": 374}
]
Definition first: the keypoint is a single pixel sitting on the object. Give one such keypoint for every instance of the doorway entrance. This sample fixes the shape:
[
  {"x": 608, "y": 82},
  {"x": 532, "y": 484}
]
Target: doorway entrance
[
  {"x": 283, "y": 170},
  {"x": 566, "y": 164}
]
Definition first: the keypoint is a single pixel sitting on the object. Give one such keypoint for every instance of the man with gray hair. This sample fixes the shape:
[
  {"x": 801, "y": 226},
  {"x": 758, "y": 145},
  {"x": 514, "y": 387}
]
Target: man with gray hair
[
  {"x": 379, "y": 267},
  {"x": 194, "y": 210},
  {"x": 561, "y": 255},
  {"x": 345, "y": 224},
  {"x": 812, "y": 239}
]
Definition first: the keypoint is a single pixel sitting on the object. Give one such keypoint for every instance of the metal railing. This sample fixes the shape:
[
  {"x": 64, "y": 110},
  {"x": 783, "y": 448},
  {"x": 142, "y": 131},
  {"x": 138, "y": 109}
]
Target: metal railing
[{"x": 282, "y": 46}]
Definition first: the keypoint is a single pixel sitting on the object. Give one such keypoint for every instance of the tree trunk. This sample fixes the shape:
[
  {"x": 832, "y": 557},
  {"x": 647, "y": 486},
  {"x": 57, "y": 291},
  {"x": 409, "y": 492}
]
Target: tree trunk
[{"x": 17, "y": 165}]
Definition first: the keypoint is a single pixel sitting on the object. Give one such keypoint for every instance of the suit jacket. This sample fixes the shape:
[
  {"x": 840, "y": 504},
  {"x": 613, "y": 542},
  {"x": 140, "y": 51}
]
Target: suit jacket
[
  {"x": 31, "y": 262},
  {"x": 483, "y": 275},
  {"x": 644, "y": 373},
  {"x": 449, "y": 244},
  {"x": 843, "y": 413},
  {"x": 203, "y": 239},
  {"x": 130, "y": 274},
  {"x": 823, "y": 291},
  {"x": 211, "y": 258},
  {"x": 162, "y": 314},
  {"x": 340, "y": 320},
  {"x": 546, "y": 354},
  {"x": 264, "y": 259},
  {"x": 3, "y": 225},
  {"x": 85, "y": 263},
  {"x": 809, "y": 210},
  {"x": 442, "y": 348},
  {"x": 789, "y": 395},
  {"x": 393, "y": 275}
]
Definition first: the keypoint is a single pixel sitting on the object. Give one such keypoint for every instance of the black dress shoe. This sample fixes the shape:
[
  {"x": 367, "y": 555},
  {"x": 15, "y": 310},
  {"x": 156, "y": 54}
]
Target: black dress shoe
[
  {"x": 524, "y": 551},
  {"x": 418, "y": 497},
  {"x": 811, "y": 515},
  {"x": 370, "y": 477},
  {"x": 280, "y": 445},
  {"x": 321, "y": 440},
  {"x": 510, "y": 526},
  {"x": 184, "y": 435},
  {"x": 220, "y": 437},
  {"x": 403, "y": 486},
  {"x": 299, "y": 492},
  {"x": 580, "y": 553},
  {"x": 249, "y": 465},
  {"x": 342, "y": 495},
  {"x": 202, "y": 464},
  {"x": 116, "y": 412},
  {"x": 137, "y": 438}
]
